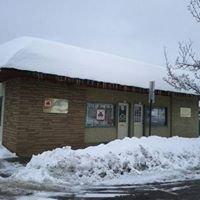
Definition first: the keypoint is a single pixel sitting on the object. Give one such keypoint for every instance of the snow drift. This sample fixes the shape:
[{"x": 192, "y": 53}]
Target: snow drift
[
  {"x": 130, "y": 156},
  {"x": 4, "y": 153}
]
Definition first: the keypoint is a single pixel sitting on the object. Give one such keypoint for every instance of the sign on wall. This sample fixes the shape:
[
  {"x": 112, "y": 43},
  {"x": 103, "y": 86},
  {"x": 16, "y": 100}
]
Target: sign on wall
[
  {"x": 52, "y": 105},
  {"x": 100, "y": 115},
  {"x": 185, "y": 112}
]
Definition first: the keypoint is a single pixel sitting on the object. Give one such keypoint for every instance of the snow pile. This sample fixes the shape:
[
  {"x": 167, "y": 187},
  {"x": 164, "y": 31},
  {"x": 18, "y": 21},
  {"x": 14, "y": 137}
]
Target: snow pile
[
  {"x": 4, "y": 153},
  {"x": 130, "y": 156},
  {"x": 34, "y": 54},
  {"x": 7, "y": 168}
]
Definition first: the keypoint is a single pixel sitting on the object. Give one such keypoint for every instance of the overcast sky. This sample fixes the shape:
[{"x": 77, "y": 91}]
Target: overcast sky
[{"x": 138, "y": 29}]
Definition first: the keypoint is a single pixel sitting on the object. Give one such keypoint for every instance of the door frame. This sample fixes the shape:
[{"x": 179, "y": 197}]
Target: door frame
[
  {"x": 128, "y": 120},
  {"x": 133, "y": 118}
]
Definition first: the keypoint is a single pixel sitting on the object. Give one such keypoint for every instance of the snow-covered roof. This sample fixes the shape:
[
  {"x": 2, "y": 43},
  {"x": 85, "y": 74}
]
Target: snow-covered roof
[{"x": 27, "y": 53}]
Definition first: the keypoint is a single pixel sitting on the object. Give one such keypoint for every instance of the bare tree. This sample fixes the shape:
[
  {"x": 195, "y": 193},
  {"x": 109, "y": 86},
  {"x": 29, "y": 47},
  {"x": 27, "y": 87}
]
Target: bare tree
[
  {"x": 184, "y": 73},
  {"x": 194, "y": 8}
]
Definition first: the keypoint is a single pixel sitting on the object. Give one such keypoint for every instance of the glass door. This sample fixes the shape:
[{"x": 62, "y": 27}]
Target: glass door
[
  {"x": 123, "y": 119},
  {"x": 138, "y": 120}
]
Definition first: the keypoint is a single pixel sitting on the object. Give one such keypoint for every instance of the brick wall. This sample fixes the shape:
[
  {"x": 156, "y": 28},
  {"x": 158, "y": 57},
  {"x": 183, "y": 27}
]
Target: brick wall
[
  {"x": 10, "y": 120},
  {"x": 31, "y": 130}
]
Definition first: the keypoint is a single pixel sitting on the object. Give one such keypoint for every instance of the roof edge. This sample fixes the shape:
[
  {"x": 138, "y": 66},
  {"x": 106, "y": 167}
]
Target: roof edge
[{"x": 7, "y": 73}]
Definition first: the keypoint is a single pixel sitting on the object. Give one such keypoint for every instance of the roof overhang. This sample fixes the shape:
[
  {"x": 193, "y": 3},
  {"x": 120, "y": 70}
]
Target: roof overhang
[{"x": 13, "y": 73}]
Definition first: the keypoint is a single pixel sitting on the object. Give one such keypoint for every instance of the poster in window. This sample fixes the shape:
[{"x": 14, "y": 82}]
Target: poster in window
[
  {"x": 52, "y": 105},
  {"x": 122, "y": 113},
  {"x": 100, "y": 115}
]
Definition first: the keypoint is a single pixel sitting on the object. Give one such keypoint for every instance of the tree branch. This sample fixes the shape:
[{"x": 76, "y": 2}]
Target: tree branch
[
  {"x": 184, "y": 74},
  {"x": 194, "y": 8}
]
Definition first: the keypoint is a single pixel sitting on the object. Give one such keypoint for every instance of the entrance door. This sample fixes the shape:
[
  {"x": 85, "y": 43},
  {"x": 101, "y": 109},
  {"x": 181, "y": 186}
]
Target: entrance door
[
  {"x": 138, "y": 120},
  {"x": 123, "y": 120}
]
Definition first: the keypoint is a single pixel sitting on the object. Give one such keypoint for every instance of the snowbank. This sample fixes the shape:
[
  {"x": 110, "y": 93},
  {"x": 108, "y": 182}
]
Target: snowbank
[
  {"x": 130, "y": 156},
  {"x": 4, "y": 153}
]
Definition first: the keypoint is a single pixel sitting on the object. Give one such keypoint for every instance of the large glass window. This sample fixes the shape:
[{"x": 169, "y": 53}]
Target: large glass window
[
  {"x": 100, "y": 115},
  {"x": 159, "y": 116}
]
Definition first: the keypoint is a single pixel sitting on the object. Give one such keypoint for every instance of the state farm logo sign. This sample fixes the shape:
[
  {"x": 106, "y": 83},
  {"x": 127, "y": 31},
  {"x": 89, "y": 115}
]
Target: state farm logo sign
[{"x": 48, "y": 103}]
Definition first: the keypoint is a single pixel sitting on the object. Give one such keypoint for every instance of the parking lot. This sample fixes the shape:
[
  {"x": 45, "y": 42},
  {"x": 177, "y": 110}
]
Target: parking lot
[{"x": 187, "y": 190}]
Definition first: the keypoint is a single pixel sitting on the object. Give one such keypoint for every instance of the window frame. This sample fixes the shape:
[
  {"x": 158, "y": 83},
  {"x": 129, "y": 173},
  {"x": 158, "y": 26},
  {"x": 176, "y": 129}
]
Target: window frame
[{"x": 101, "y": 126}]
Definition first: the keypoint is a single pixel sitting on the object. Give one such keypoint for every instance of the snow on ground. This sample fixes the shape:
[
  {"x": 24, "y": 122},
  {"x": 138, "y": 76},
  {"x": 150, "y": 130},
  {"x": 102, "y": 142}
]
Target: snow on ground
[
  {"x": 8, "y": 162},
  {"x": 4, "y": 153},
  {"x": 36, "y": 197},
  {"x": 131, "y": 160},
  {"x": 8, "y": 168}
]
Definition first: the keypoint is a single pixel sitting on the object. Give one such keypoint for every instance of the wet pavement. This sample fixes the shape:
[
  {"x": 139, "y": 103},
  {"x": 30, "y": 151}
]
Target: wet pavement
[{"x": 187, "y": 190}]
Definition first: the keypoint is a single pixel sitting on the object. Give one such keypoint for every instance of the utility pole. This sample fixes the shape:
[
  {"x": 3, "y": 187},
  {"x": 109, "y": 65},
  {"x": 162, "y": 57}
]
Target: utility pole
[{"x": 151, "y": 102}]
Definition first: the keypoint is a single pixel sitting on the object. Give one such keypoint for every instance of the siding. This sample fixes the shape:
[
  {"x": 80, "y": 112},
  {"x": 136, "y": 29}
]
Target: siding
[{"x": 185, "y": 127}]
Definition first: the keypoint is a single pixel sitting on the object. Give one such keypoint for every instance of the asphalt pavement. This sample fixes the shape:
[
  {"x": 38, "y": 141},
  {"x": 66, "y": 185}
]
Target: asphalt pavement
[{"x": 187, "y": 190}]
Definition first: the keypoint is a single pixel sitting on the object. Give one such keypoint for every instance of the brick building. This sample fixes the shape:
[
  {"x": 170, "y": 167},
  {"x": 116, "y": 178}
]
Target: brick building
[{"x": 47, "y": 105}]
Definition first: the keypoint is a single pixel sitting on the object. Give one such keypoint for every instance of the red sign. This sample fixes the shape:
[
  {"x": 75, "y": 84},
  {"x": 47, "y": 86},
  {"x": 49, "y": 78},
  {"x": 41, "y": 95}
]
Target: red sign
[{"x": 47, "y": 103}]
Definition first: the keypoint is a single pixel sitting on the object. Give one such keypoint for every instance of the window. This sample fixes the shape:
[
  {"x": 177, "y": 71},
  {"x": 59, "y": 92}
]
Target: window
[
  {"x": 159, "y": 116},
  {"x": 100, "y": 115}
]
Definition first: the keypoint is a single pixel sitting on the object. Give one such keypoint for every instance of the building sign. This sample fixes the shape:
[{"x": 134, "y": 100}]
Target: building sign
[
  {"x": 100, "y": 115},
  {"x": 48, "y": 103},
  {"x": 185, "y": 112},
  {"x": 55, "y": 105}
]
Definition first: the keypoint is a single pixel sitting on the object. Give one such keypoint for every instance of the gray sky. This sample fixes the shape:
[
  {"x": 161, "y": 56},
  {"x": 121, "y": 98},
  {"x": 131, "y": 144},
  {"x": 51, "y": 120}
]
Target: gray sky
[{"x": 137, "y": 29}]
